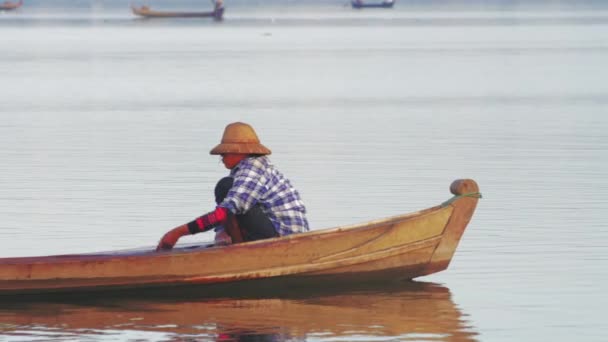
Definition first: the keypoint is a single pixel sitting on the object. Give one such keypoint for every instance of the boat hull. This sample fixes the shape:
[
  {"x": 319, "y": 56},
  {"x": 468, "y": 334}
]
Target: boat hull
[
  {"x": 360, "y": 5},
  {"x": 401, "y": 247},
  {"x": 143, "y": 11}
]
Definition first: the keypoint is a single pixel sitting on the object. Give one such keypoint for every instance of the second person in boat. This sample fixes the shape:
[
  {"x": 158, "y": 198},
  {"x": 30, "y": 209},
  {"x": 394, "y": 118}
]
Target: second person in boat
[{"x": 255, "y": 202}]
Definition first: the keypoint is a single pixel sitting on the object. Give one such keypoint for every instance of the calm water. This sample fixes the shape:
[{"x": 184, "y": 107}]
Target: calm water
[{"x": 106, "y": 123}]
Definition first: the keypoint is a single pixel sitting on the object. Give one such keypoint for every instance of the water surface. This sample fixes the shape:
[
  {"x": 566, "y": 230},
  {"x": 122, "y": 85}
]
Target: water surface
[{"x": 107, "y": 121}]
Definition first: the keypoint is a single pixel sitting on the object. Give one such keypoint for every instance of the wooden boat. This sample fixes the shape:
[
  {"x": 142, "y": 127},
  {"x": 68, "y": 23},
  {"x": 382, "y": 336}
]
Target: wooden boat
[
  {"x": 145, "y": 11},
  {"x": 8, "y": 5},
  {"x": 400, "y": 247},
  {"x": 358, "y": 4}
]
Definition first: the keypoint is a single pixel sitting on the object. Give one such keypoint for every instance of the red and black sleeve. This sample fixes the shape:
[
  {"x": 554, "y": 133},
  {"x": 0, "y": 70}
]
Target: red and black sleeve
[{"x": 208, "y": 221}]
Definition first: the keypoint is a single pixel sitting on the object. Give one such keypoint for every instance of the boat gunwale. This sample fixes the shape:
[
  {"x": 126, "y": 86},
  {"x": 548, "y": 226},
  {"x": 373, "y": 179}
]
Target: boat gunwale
[{"x": 203, "y": 247}]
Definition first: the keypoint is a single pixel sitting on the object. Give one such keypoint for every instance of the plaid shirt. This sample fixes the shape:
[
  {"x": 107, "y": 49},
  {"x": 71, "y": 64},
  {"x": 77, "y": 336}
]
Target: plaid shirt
[{"x": 256, "y": 180}]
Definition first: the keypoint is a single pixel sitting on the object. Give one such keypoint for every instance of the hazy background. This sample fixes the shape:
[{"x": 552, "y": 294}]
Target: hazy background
[{"x": 107, "y": 120}]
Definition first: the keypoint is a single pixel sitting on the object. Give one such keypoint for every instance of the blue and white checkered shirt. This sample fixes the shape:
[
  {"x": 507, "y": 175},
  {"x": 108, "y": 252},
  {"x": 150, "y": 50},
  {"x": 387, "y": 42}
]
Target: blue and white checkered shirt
[{"x": 256, "y": 180}]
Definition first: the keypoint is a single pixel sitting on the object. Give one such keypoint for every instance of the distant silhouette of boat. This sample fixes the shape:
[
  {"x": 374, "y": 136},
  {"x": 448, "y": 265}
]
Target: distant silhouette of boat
[
  {"x": 147, "y": 12},
  {"x": 358, "y": 4},
  {"x": 8, "y": 5}
]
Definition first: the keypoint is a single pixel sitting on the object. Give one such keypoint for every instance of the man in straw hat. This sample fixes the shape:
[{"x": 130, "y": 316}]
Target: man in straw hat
[{"x": 256, "y": 201}]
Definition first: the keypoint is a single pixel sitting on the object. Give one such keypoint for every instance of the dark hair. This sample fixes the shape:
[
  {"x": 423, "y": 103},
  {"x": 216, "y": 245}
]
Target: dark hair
[{"x": 221, "y": 189}]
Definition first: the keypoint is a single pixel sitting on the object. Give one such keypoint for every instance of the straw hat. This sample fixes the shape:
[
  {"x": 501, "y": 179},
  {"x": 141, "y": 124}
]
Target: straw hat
[{"x": 239, "y": 137}]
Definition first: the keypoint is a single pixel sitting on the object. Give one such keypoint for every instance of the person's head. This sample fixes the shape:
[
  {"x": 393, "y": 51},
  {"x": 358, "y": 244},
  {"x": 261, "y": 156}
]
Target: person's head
[
  {"x": 238, "y": 142},
  {"x": 221, "y": 189}
]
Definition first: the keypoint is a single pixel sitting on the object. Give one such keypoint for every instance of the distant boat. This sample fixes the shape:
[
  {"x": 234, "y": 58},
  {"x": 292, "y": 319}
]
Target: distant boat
[
  {"x": 8, "y": 5},
  {"x": 145, "y": 11},
  {"x": 358, "y": 4}
]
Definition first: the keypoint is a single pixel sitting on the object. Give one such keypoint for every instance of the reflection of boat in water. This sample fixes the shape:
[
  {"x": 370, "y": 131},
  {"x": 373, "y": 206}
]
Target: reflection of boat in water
[
  {"x": 405, "y": 310},
  {"x": 400, "y": 247},
  {"x": 384, "y": 4},
  {"x": 9, "y": 5},
  {"x": 147, "y": 12}
]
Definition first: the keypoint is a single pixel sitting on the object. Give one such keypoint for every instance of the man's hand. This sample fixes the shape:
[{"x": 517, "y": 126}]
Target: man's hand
[
  {"x": 222, "y": 238},
  {"x": 170, "y": 239}
]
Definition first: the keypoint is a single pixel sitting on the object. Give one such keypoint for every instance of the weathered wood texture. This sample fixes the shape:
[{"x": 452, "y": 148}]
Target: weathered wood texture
[{"x": 405, "y": 247}]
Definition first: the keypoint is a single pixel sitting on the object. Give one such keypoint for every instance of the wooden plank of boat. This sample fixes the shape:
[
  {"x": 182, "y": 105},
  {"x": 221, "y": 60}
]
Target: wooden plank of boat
[
  {"x": 400, "y": 247},
  {"x": 145, "y": 11},
  {"x": 8, "y": 5}
]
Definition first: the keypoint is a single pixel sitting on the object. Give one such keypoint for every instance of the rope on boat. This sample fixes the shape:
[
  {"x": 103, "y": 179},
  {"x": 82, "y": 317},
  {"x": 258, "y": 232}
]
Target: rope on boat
[{"x": 470, "y": 194}]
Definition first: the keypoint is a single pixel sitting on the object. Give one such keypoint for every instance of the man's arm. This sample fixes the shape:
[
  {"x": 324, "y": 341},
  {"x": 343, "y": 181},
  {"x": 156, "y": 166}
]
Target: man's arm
[
  {"x": 170, "y": 238},
  {"x": 201, "y": 224}
]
